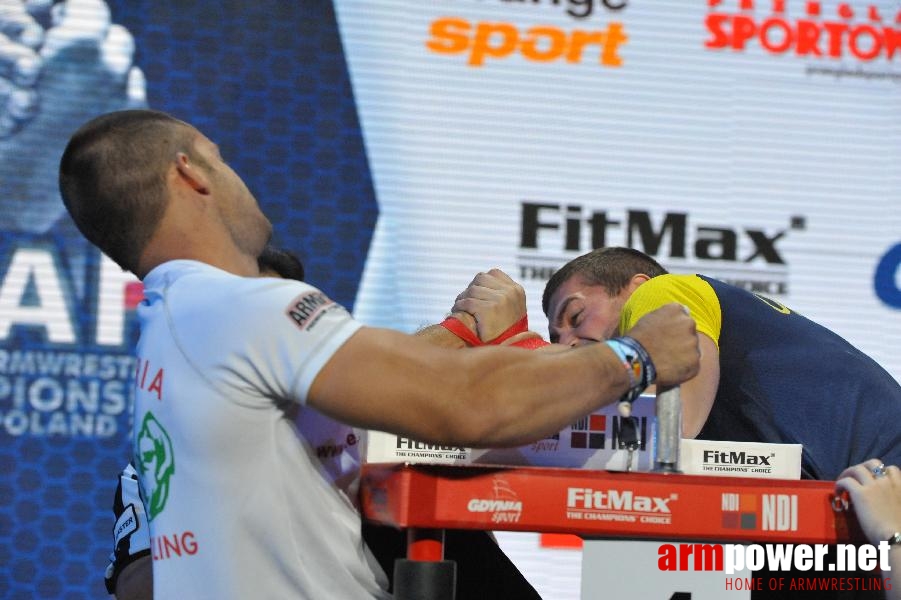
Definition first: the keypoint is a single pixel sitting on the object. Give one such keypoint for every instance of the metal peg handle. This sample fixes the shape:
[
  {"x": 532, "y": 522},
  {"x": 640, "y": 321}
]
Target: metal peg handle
[{"x": 668, "y": 430}]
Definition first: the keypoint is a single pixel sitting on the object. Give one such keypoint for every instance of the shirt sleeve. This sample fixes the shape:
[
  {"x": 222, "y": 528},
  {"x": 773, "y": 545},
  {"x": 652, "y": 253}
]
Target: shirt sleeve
[
  {"x": 689, "y": 290},
  {"x": 287, "y": 332},
  {"x": 328, "y": 325}
]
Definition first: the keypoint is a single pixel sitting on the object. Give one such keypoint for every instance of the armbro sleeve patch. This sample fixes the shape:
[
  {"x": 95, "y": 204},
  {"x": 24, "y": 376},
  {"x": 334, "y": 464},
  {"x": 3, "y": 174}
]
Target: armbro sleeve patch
[{"x": 306, "y": 309}]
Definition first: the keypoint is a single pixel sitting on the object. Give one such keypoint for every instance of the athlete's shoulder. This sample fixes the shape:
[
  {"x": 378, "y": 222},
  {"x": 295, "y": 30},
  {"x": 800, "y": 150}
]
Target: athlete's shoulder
[
  {"x": 674, "y": 286},
  {"x": 691, "y": 291},
  {"x": 190, "y": 283}
]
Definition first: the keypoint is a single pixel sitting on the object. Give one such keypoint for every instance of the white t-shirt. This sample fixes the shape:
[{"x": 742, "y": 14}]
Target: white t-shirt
[{"x": 250, "y": 493}]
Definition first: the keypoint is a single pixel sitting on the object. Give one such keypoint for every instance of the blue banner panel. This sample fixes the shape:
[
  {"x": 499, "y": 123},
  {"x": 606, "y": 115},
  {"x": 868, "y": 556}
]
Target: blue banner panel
[{"x": 267, "y": 81}]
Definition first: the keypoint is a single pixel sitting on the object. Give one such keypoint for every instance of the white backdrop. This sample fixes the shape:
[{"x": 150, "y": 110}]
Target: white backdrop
[{"x": 679, "y": 128}]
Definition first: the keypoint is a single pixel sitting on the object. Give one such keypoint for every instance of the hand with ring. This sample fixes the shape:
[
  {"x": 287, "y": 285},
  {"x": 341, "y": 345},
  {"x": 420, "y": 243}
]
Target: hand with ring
[{"x": 875, "y": 493}]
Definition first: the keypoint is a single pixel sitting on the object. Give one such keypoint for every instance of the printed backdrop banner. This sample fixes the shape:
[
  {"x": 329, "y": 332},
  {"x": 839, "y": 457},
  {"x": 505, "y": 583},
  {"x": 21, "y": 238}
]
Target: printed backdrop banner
[
  {"x": 757, "y": 142},
  {"x": 266, "y": 81},
  {"x": 753, "y": 141}
]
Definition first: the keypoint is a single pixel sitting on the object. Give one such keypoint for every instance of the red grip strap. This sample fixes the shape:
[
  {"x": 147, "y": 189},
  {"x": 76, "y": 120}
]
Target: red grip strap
[
  {"x": 518, "y": 327},
  {"x": 456, "y": 327}
]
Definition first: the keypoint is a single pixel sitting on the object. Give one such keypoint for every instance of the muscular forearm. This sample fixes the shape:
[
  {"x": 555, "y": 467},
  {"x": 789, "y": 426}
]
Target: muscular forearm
[
  {"x": 488, "y": 396},
  {"x": 547, "y": 392},
  {"x": 491, "y": 396},
  {"x": 439, "y": 336}
]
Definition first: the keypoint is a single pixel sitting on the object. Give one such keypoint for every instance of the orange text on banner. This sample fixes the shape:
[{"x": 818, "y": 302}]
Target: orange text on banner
[{"x": 485, "y": 41}]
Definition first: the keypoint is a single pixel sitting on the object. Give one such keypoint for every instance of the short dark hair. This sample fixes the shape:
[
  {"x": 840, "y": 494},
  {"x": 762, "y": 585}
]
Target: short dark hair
[
  {"x": 280, "y": 261},
  {"x": 612, "y": 268},
  {"x": 112, "y": 178}
]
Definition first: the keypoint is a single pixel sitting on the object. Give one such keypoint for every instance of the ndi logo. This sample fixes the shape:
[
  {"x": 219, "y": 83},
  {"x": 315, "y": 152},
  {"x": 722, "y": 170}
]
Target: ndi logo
[
  {"x": 768, "y": 512},
  {"x": 885, "y": 280},
  {"x": 591, "y": 433}
]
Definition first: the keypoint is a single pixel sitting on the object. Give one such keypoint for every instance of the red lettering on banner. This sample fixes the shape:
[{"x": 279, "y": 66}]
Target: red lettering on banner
[
  {"x": 175, "y": 545},
  {"x": 811, "y": 35}
]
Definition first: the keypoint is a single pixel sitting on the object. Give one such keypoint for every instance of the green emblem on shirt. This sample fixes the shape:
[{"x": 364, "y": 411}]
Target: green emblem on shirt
[{"x": 155, "y": 461}]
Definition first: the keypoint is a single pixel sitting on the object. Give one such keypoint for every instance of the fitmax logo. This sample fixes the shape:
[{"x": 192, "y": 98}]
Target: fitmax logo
[
  {"x": 565, "y": 225},
  {"x": 626, "y": 500},
  {"x": 410, "y": 444},
  {"x": 748, "y": 257},
  {"x": 736, "y": 458}
]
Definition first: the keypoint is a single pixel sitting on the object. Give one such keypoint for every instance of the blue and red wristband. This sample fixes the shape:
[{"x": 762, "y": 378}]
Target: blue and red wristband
[{"x": 637, "y": 363}]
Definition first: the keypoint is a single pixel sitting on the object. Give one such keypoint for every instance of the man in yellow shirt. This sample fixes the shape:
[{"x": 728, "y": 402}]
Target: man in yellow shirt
[{"x": 767, "y": 373}]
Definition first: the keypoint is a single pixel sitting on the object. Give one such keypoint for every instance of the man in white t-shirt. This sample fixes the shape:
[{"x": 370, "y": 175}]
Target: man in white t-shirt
[
  {"x": 483, "y": 570},
  {"x": 240, "y": 378}
]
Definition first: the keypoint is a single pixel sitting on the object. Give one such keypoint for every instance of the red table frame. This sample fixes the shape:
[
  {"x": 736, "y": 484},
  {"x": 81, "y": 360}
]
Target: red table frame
[{"x": 427, "y": 499}]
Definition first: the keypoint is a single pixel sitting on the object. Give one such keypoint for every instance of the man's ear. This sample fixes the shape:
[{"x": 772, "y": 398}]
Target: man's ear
[
  {"x": 636, "y": 281},
  {"x": 189, "y": 172}
]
